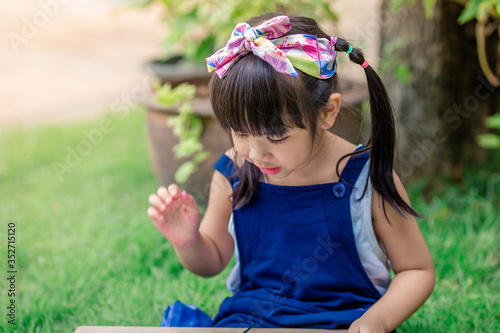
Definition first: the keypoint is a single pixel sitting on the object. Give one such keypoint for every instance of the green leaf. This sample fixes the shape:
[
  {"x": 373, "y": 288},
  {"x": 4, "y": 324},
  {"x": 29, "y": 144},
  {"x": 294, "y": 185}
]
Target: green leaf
[
  {"x": 200, "y": 157},
  {"x": 325, "y": 6},
  {"x": 195, "y": 128},
  {"x": 141, "y": 3},
  {"x": 187, "y": 148},
  {"x": 429, "y": 7},
  {"x": 469, "y": 12},
  {"x": 173, "y": 121},
  {"x": 403, "y": 73},
  {"x": 205, "y": 47},
  {"x": 167, "y": 95},
  {"x": 184, "y": 171},
  {"x": 489, "y": 141},
  {"x": 493, "y": 121},
  {"x": 397, "y": 4},
  {"x": 185, "y": 110},
  {"x": 186, "y": 90},
  {"x": 176, "y": 123},
  {"x": 484, "y": 10}
]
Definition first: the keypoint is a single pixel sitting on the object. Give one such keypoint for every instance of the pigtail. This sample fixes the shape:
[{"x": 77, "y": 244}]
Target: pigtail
[
  {"x": 249, "y": 176},
  {"x": 383, "y": 135}
]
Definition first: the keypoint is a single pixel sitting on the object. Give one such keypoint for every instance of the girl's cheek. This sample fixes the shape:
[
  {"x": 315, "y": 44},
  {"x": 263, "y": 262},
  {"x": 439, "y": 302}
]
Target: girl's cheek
[
  {"x": 243, "y": 153},
  {"x": 241, "y": 149}
]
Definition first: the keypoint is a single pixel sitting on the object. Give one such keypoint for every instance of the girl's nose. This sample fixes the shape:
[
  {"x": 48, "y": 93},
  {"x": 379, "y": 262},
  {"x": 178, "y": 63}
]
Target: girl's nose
[{"x": 258, "y": 154}]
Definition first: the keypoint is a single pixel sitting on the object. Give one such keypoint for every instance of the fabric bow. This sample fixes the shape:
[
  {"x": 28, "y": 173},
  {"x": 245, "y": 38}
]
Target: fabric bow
[{"x": 314, "y": 56}]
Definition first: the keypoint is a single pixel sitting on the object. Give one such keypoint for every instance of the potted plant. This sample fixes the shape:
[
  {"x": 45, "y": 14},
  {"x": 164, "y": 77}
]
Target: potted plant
[{"x": 184, "y": 138}]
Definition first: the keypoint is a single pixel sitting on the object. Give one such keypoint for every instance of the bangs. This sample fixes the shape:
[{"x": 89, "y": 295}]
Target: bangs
[{"x": 252, "y": 99}]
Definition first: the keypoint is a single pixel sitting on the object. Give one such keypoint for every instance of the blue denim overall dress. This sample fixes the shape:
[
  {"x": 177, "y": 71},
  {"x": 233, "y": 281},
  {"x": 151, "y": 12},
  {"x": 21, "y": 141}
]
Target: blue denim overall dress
[{"x": 299, "y": 263}]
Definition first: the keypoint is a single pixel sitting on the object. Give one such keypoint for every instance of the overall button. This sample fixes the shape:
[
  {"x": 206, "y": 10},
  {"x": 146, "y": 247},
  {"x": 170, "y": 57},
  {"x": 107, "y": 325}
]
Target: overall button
[{"x": 339, "y": 190}]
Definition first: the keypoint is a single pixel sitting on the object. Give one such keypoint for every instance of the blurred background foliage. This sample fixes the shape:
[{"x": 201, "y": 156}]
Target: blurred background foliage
[
  {"x": 441, "y": 64},
  {"x": 197, "y": 28}
]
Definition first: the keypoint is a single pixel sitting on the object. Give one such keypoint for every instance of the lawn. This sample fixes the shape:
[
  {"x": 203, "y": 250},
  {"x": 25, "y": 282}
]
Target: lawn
[{"x": 86, "y": 253}]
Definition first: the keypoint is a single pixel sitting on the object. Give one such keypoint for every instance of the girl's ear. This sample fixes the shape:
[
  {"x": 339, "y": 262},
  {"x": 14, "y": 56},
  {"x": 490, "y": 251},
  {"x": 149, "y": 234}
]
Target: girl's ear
[{"x": 331, "y": 110}]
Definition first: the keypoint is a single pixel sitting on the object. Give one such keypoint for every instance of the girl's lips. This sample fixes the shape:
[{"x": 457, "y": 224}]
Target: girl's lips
[{"x": 270, "y": 171}]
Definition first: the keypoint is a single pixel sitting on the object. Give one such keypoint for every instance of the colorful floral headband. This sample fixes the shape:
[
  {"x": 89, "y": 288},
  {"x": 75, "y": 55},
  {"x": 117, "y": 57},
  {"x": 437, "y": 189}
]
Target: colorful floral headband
[{"x": 312, "y": 55}]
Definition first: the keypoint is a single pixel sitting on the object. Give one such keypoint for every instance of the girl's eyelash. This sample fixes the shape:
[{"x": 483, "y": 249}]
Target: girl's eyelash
[{"x": 278, "y": 140}]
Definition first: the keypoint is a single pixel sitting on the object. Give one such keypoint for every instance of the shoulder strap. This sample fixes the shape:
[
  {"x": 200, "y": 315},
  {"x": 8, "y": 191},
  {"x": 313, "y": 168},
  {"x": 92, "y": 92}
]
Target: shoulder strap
[
  {"x": 354, "y": 166},
  {"x": 226, "y": 167}
]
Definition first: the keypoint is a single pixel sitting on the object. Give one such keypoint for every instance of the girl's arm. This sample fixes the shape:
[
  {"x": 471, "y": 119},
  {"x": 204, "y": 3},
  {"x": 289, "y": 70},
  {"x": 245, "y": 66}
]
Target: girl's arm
[
  {"x": 412, "y": 264},
  {"x": 212, "y": 248},
  {"x": 204, "y": 249}
]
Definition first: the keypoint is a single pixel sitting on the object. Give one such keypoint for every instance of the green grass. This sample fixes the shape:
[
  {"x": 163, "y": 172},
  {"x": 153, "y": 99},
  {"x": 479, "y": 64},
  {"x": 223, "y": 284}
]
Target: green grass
[
  {"x": 463, "y": 232},
  {"x": 87, "y": 254}
]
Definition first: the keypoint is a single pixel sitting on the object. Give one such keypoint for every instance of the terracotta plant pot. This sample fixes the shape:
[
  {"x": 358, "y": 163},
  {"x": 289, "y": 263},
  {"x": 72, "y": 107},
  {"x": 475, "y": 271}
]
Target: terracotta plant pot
[{"x": 162, "y": 140}]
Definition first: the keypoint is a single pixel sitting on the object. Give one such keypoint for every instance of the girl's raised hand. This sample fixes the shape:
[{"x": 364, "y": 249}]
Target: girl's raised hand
[{"x": 175, "y": 214}]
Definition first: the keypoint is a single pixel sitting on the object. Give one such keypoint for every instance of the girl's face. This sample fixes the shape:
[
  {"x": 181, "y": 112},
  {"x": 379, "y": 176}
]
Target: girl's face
[
  {"x": 295, "y": 158},
  {"x": 278, "y": 157}
]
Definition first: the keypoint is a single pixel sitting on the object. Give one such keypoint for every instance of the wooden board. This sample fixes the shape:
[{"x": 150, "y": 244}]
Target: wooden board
[{"x": 123, "y": 329}]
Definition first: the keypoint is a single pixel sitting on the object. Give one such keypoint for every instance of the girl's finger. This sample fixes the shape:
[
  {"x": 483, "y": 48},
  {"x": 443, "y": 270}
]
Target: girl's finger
[
  {"x": 174, "y": 191},
  {"x": 156, "y": 202},
  {"x": 164, "y": 195},
  {"x": 153, "y": 214}
]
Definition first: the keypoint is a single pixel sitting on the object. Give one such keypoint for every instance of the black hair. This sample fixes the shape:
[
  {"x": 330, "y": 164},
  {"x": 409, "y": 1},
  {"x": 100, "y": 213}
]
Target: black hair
[{"x": 255, "y": 99}]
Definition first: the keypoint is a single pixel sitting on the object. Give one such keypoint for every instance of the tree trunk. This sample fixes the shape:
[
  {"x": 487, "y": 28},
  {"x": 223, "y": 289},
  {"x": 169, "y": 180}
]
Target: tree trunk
[{"x": 442, "y": 106}]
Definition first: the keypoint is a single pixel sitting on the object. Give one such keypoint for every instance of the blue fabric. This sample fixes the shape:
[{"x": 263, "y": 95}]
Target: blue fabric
[
  {"x": 181, "y": 315},
  {"x": 226, "y": 167},
  {"x": 299, "y": 263}
]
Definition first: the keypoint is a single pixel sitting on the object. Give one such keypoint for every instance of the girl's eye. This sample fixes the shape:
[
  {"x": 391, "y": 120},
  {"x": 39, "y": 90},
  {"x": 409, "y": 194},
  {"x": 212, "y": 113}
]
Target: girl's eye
[
  {"x": 280, "y": 140},
  {"x": 240, "y": 135}
]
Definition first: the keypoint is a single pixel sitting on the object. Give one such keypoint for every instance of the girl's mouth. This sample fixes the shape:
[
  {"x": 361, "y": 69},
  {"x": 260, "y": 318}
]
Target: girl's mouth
[{"x": 270, "y": 171}]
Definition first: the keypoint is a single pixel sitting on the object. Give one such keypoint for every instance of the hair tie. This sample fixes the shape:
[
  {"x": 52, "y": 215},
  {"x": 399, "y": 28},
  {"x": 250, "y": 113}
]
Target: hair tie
[
  {"x": 349, "y": 50},
  {"x": 365, "y": 64}
]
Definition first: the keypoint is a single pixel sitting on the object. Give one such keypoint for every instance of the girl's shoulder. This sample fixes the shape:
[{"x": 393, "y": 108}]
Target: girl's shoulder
[
  {"x": 237, "y": 160},
  {"x": 227, "y": 164},
  {"x": 231, "y": 153}
]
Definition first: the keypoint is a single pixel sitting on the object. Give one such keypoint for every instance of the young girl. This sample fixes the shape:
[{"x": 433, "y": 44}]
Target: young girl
[{"x": 315, "y": 222}]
